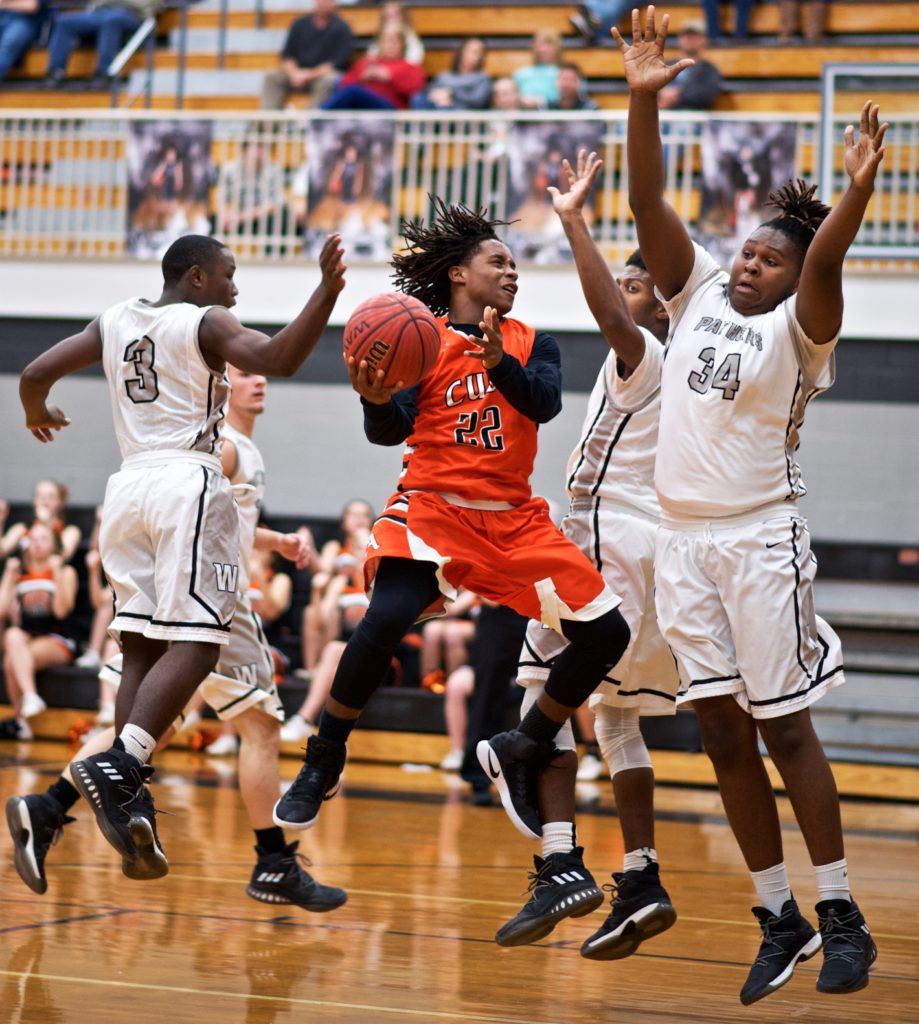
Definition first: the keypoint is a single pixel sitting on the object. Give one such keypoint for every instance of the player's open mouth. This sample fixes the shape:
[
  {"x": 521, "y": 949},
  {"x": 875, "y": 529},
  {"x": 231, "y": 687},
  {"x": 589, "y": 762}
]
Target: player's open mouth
[
  {"x": 745, "y": 289},
  {"x": 512, "y": 288}
]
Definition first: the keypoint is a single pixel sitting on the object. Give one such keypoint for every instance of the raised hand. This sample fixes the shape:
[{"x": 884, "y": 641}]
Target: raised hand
[
  {"x": 490, "y": 348},
  {"x": 369, "y": 385},
  {"x": 332, "y": 265},
  {"x": 579, "y": 182},
  {"x": 645, "y": 67},
  {"x": 864, "y": 155}
]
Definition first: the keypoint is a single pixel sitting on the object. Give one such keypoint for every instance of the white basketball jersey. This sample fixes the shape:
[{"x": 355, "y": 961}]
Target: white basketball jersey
[
  {"x": 164, "y": 395},
  {"x": 248, "y": 483},
  {"x": 734, "y": 390},
  {"x": 614, "y": 459}
]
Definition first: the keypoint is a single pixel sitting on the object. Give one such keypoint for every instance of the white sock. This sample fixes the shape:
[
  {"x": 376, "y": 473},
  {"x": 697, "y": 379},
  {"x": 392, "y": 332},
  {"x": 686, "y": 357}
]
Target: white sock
[
  {"x": 772, "y": 887},
  {"x": 138, "y": 743},
  {"x": 636, "y": 860},
  {"x": 557, "y": 837},
  {"x": 833, "y": 880}
]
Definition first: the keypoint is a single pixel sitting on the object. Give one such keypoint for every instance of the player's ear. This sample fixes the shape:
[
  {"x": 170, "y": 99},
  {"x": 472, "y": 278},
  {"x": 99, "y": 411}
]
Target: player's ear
[{"x": 457, "y": 274}]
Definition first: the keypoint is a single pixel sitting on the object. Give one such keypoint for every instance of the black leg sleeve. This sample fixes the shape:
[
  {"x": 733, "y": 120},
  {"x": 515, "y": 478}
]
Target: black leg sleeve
[
  {"x": 595, "y": 647},
  {"x": 402, "y": 590}
]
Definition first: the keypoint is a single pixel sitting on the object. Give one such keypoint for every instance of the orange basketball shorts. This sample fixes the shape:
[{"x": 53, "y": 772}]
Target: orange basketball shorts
[{"x": 516, "y": 557}]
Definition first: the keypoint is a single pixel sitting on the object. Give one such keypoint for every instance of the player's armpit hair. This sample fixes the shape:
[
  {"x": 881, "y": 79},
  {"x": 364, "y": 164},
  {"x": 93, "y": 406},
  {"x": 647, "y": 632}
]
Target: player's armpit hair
[
  {"x": 800, "y": 212},
  {"x": 423, "y": 269},
  {"x": 187, "y": 252}
]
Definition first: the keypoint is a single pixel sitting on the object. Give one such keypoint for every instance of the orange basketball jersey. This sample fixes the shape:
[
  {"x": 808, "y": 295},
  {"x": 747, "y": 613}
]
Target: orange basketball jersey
[{"x": 468, "y": 440}]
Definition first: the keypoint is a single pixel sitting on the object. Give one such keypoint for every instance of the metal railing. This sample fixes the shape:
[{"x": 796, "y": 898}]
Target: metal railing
[{"x": 104, "y": 184}]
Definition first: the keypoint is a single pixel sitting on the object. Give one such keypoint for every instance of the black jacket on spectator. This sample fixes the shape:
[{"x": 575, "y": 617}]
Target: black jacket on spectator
[
  {"x": 699, "y": 85},
  {"x": 310, "y": 46}
]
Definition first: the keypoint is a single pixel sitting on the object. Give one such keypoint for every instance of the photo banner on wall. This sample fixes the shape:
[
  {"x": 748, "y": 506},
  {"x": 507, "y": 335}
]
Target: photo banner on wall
[
  {"x": 348, "y": 179},
  {"x": 742, "y": 162},
  {"x": 170, "y": 172},
  {"x": 535, "y": 151}
]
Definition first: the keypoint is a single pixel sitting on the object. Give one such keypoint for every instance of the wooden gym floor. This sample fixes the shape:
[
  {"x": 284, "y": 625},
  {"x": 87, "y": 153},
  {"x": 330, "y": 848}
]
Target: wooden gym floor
[{"x": 430, "y": 879}]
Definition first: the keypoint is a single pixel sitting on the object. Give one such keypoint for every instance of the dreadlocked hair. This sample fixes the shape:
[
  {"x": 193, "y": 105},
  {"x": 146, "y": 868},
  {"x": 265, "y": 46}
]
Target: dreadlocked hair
[
  {"x": 800, "y": 214},
  {"x": 423, "y": 270}
]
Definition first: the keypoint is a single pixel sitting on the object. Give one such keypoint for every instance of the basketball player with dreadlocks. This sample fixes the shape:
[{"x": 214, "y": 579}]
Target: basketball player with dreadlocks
[
  {"x": 464, "y": 516},
  {"x": 734, "y": 572}
]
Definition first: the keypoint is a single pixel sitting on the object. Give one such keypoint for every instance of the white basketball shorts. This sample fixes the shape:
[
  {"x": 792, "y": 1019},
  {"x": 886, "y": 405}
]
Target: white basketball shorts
[
  {"x": 736, "y": 604},
  {"x": 243, "y": 678},
  {"x": 170, "y": 547},
  {"x": 621, "y": 545}
]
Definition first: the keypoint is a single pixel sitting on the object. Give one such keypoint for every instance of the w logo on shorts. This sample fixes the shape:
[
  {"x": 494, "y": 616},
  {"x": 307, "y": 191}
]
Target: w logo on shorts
[{"x": 227, "y": 576}]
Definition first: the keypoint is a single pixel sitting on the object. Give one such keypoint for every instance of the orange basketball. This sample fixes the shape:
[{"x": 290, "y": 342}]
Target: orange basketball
[{"x": 395, "y": 333}]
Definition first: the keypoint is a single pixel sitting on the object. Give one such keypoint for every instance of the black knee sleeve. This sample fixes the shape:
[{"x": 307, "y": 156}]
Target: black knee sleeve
[{"x": 594, "y": 648}]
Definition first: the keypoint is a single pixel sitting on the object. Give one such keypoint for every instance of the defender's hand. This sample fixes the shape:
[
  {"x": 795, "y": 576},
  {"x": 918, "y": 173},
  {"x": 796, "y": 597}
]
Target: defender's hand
[
  {"x": 645, "y": 67},
  {"x": 579, "y": 183},
  {"x": 295, "y": 548},
  {"x": 332, "y": 265},
  {"x": 864, "y": 155}
]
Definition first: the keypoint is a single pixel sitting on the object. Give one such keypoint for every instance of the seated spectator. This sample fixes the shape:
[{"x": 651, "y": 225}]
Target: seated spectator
[
  {"x": 395, "y": 16},
  {"x": 317, "y": 50},
  {"x": 37, "y": 595},
  {"x": 741, "y": 22},
  {"x": 814, "y": 19},
  {"x": 459, "y": 688},
  {"x": 445, "y": 641},
  {"x": 505, "y": 95},
  {"x": 538, "y": 82},
  {"x": 21, "y": 23},
  {"x": 466, "y": 86},
  {"x": 101, "y": 647},
  {"x": 594, "y": 19},
  {"x": 572, "y": 93},
  {"x": 698, "y": 86},
  {"x": 385, "y": 82},
  {"x": 270, "y": 592},
  {"x": 49, "y": 501},
  {"x": 109, "y": 22}
]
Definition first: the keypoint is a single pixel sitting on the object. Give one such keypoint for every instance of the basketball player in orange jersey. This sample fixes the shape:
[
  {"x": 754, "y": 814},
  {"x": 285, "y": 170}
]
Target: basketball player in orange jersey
[
  {"x": 170, "y": 529},
  {"x": 464, "y": 516}
]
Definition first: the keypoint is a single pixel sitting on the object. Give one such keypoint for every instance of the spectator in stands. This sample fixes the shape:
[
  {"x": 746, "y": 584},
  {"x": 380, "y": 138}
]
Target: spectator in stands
[
  {"x": 49, "y": 501},
  {"x": 459, "y": 687},
  {"x": 101, "y": 647},
  {"x": 572, "y": 93},
  {"x": 594, "y": 19},
  {"x": 445, "y": 642},
  {"x": 814, "y": 19},
  {"x": 385, "y": 82},
  {"x": 698, "y": 86},
  {"x": 741, "y": 18},
  {"x": 505, "y": 95},
  {"x": 317, "y": 51},
  {"x": 538, "y": 82},
  {"x": 395, "y": 16},
  {"x": 21, "y": 23},
  {"x": 466, "y": 86},
  {"x": 110, "y": 22},
  {"x": 37, "y": 595}
]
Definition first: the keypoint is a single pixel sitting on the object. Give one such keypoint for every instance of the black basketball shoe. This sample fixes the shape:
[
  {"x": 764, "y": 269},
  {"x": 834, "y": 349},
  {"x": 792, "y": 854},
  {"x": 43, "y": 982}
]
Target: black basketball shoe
[
  {"x": 561, "y": 887},
  {"x": 280, "y": 878},
  {"x": 848, "y": 949},
  {"x": 36, "y": 824},
  {"x": 512, "y": 761},
  {"x": 317, "y": 781},
  {"x": 787, "y": 938},
  {"x": 640, "y": 909},
  {"x": 113, "y": 784}
]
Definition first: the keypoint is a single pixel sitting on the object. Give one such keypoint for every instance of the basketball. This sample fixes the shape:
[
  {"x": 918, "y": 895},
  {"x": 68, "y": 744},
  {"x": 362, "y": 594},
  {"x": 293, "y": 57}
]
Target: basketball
[{"x": 395, "y": 333}]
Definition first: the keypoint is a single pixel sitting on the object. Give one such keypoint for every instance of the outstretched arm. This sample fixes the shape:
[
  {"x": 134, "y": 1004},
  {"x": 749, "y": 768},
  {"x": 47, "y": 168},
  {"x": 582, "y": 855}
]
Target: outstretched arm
[
  {"x": 67, "y": 356},
  {"x": 819, "y": 303},
  {"x": 600, "y": 289},
  {"x": 222, "y": 335},
  {"x": 665, "y": 243}
]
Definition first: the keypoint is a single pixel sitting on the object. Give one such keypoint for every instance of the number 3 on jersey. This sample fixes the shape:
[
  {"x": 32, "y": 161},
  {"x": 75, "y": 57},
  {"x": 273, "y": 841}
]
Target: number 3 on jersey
[
  {"x": 726, "y": 378},
  {"x": 480, "y": 431},
  {"x": 143, "y": 387}
]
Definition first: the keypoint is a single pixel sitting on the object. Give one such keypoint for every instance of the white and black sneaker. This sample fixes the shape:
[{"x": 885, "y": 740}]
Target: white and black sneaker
[
  {"x": 114, "y": 786},
  {"x": 640, "y": 909},
  {"x": 317, "y": 781},
  {"x": 788, "y": 938},
  {"x": 280, "y": 878},
  {"x": 36, "y": 824},
  {"x": 848, "y": 948},
  {"x": 512, "y": 760},
  {"x": 561, "y": 887}
]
